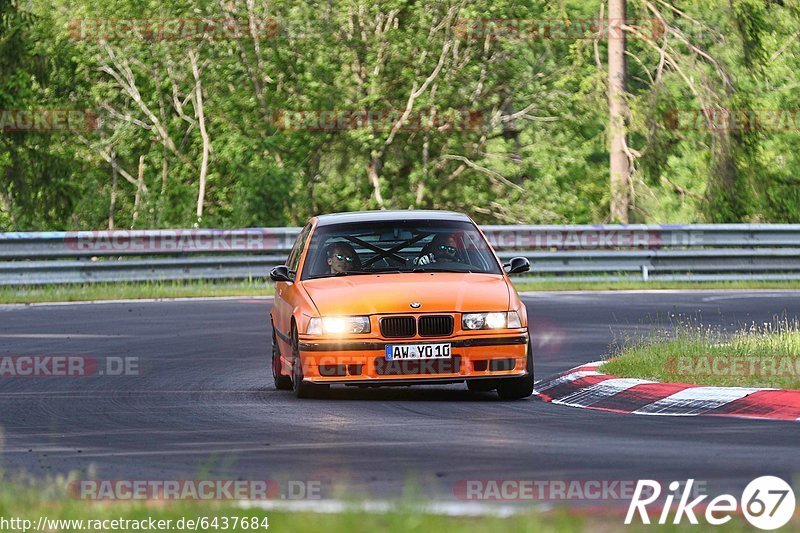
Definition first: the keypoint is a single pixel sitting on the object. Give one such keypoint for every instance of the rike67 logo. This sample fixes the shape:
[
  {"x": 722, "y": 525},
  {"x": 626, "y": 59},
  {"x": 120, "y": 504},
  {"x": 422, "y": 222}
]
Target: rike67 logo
[{"x": 767, "y": 502}]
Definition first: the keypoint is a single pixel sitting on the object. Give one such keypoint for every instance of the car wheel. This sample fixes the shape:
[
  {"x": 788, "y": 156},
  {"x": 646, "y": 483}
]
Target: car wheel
[
  {"x": 301, "y": 388},
  {"x": 281, "y": 382},
  {"x": 518, "y": 388},
  {"x": 481, "y": 385}
]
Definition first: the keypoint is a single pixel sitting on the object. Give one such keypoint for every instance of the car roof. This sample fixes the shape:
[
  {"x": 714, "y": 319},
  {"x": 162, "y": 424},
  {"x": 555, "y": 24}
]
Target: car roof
[{"x": 389, "y": 216}]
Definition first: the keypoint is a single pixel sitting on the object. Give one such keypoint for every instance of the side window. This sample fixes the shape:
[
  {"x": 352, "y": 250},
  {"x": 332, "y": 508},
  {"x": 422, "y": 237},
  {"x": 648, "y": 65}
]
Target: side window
[{"x": 297, "y": 249}]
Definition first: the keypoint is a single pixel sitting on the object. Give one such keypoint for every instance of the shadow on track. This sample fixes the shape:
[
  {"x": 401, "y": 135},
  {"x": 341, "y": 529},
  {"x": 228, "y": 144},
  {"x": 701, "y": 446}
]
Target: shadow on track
[{"x": 419, "y": 393}]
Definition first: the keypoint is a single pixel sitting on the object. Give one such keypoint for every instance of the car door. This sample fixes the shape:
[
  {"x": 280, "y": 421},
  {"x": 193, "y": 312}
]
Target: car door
[{"x": 285, "y": 292}]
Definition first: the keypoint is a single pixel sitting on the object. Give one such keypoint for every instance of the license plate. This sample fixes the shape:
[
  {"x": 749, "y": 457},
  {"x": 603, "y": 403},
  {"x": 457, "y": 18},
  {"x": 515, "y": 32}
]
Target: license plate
[{"x": 398, "y": 352}]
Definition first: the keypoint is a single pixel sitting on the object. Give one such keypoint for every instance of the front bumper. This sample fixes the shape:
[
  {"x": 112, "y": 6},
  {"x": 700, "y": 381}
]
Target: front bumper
[{"x": 362, "y": 362}]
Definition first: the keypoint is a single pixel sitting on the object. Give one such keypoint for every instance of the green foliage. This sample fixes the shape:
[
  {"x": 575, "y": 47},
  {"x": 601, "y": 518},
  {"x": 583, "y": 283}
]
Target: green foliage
[{"x": 538, "y": 155}]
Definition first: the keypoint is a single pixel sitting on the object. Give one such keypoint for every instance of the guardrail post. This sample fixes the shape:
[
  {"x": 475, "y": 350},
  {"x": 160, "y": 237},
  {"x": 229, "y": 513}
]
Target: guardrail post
[{"x": 645, "y": 273}]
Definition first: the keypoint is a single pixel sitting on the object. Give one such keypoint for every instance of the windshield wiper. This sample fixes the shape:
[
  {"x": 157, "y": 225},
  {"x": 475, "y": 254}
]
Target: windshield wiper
[
  {"x": 351, "y": 273},
  {"x": 426, "y": 269},
  {"x": 366, "y": 272}
]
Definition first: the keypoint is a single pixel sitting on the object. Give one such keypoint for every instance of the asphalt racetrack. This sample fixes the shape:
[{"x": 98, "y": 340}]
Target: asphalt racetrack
[{"x": 203, "y": 405}]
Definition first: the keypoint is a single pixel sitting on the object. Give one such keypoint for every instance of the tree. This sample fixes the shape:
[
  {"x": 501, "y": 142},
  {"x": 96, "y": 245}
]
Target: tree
[
  {"x": 619, "y": 163},
  {"x": 199, "y": 131}
]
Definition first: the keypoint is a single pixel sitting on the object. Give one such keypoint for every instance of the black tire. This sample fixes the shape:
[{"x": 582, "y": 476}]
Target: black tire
[
  {"x": 281, "y": 382},
  {"x": 481, "y": 385},
  {"x": 301, "y": 388},
  {"x": 518, "y": 388}
]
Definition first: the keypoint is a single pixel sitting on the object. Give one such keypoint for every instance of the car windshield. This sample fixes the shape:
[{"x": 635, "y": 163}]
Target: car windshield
[{"x": 398, "y": 246}]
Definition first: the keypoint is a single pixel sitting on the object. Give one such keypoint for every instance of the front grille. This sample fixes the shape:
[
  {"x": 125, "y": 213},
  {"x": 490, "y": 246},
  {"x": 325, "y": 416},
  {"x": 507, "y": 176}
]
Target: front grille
[
  {"x": 480, "y": 366},
  {"x": 332, "y": 370},
  {"x": 496, "y": 365},
  {"x": 395, "y": 327},
  {"x": 417, "y": 367},
  {"x": 436, "y": 326}
]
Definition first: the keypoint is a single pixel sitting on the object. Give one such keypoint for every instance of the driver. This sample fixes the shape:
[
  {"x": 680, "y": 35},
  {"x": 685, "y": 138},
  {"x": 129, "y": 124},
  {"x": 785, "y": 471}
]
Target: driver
[
  {"x": 343, "y": 257},
  {"x": 443, "y": 248}
]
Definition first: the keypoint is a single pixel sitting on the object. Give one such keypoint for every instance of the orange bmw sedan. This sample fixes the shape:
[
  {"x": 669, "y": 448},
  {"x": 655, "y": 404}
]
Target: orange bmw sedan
[{"x": 398, "y": 298}]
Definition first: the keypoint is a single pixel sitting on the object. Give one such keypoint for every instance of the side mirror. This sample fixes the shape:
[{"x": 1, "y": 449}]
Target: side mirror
[
  {"x": 517, "y": 265},
  {"x": 281, "y": 273}
]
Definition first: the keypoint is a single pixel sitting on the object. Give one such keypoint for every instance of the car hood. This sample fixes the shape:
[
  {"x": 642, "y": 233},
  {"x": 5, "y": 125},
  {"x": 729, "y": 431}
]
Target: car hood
[{"x": 393, "y": 293}]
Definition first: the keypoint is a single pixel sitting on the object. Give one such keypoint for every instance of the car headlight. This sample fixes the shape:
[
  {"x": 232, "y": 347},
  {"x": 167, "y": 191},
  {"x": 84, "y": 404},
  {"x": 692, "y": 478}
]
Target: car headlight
[
  {"x": 338, "y": 325},
  {"x": 501, "y": 320}
]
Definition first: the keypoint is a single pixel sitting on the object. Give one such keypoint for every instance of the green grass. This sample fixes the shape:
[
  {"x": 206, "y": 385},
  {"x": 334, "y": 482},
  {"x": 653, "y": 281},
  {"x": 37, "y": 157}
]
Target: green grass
[
  {"x": 310, "y": 522},
  {"x": 30, "y": 499},
  {"x": 125, "y": 291},
  {"x": 37, "y": 499},
  {"x": 762, "y": 355},
  {"x": 177, "y": 289}
]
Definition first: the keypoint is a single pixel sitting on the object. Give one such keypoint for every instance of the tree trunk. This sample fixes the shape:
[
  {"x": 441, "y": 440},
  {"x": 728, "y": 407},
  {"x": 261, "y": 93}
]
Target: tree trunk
[
  {"x": 5, "y": 205},
  {"x": 201, "y": 120},
  {"x": 137, "y": 200},
  {"x": 374, "y": 172},
  {"x": 420, "y": 194},
  {"x": 113, "y": 200},
  {"x": 620, "y": 166},
  {"x": 313, "y": 178},
  {"x": 162, "y": 200}
]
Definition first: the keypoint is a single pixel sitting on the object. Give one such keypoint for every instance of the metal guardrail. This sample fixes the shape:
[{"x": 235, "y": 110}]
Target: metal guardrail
[{"x": 608, "y": 252}]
